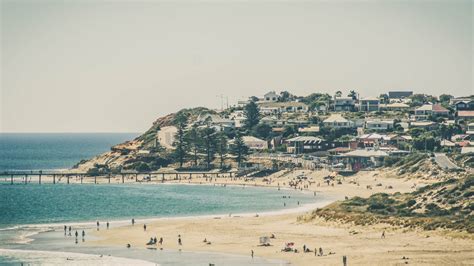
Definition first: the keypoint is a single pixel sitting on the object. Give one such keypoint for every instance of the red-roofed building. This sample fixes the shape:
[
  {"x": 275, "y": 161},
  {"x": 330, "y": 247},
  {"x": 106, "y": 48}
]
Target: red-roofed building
[{"x": 466, "y": 114}]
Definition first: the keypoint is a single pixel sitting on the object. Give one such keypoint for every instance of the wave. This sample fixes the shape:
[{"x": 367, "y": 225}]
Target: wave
[{"x": 61, "y": 258}]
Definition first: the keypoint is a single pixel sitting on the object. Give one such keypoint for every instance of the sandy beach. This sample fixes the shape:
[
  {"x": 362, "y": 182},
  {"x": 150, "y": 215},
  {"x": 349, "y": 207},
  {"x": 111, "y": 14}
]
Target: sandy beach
[{"x": 239, "y": 234}]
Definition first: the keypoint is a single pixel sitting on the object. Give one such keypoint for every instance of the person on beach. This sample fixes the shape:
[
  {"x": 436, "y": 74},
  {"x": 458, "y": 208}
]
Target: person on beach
[
  {"x": 107, "y": 225},
  {"x": 321, "y": 251},
  {"x": 344, "y": 260},
  {"x": 77, "y": 234},
  {"x": 133, "y": 221},
  {"x": 144, "y": 227},
  {"x": 383, "y": 234},
  {"x": 315, "y": 252},
  {"x": 70, "y": 229},
  {"x": 179, "y": 241},
  {"x": 98, "y": 224},
  {"x": 161, "y": 241},
  {"x": 251, "y": 253},
  {"x": 304, "y": 248},
  {"x": 83, "y": 235},
  {"x": 154, "y": 240},
  {"x": 65, "y": 229}
]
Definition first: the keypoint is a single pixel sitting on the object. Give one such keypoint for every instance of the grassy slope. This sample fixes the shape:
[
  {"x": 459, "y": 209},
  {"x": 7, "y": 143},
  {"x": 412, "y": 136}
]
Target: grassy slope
[{"x": 447, "y": 204}]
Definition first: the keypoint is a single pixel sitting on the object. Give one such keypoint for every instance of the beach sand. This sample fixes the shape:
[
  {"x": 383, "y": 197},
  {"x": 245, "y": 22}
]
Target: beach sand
[{"x": 239, "y": 234}]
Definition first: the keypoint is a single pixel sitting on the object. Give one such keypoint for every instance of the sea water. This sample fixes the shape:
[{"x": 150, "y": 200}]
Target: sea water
[
  {"x": 50, "y": 151},
  {"x": 32, "y": 215}
]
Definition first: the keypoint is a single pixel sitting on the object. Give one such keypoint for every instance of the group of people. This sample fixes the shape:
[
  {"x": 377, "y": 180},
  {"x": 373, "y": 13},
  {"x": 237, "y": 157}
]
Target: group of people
[
  {"x": 98, "y": 225},
  {"x": 154, "y": 241},
  {"x": 66, "y": 229}
]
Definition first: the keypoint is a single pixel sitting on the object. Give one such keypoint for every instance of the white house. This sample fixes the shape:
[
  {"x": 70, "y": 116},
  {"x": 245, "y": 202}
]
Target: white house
[
  {"x": 395, "y": 106},
  {"x": 378, "y": 124},
  {"x": 270, "y": 97},
  {"x": 215, "y": 120},
  {"x": 422, "y": 113},
  {"x": 337, "y": 121},
  {"x": 470, "y": 129},
  {"x": 238, "y": 117},
  {"x": 268, "y": 108},
  {"x": 344, "y": 104}
]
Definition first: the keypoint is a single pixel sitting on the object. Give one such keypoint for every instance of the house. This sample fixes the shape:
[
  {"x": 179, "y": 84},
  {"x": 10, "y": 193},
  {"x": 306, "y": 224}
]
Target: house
[
  {"x": 423, "y": 124},
  {"x": 466, "y": 114},
  {"x": 362, "y": 159},
  {"x": 310, "y": 129},
  {"x": 271, "y": 97},
  {"x": 303, "y": 144},
  {"x": 426, "y": 110},
  {"x": 464, "y": 105},
  {"x": 215, "y": 121},
  {"x": 470, "y": 129},
  {"x": 254, "y": 143},
  {"x": 395, "y": 106},
  {"x": 337, "y": 121},
  {"x": 379, "y": 125},
  {"x": 369, "y": 105},
  {"x": 374, "y": 139},
  {"x": 238, "y": 117},
  {"x": 399, "y": 94},
  {"x": 268, "y": 108},
  {"x": 466, "y": 150},
  {"x": 344, "y": 104}
]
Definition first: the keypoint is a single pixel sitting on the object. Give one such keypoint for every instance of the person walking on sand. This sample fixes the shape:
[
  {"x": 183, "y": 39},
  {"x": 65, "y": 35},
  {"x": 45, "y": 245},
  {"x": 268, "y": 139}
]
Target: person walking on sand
[
  {"x": 70, "y": 231},
  {"x": 83, "y": 235},
  {"x": 133, "y": 221},
  {"x": 179, "y": 241},
  {"x": 76, "y": 234},
  {"x": 383, "y": 234},
  {"x": 251, "y": 253},
  {"x": 65, "y": 229},
  {"x": 108, "y": 225},
  {"x": 144, "y": 227},
  {"x": 315, "y": 252},
  {"x": 344, "y": 260},
  {"x": 161, "y": 241},
  {"x": 98, "y": 224},
  {"x": 320, "y": 251}
]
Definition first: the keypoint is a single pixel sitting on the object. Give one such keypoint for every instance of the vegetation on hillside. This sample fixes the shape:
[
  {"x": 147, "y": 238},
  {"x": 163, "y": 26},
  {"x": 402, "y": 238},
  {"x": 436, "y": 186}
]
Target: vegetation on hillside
[{"x": 447, "y": 204}]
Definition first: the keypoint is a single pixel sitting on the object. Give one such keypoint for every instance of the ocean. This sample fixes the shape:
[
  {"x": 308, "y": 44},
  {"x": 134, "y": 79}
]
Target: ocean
[
  {"x": 32, "y": 215},
  {"x": 51, "y": 151}
]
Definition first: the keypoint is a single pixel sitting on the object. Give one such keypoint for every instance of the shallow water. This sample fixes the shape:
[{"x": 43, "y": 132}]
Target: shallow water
[{"x": 32, "y": 217}]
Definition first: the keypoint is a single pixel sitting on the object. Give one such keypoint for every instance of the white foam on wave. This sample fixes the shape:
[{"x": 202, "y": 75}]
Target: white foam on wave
[{"x": 69, "y": 258}]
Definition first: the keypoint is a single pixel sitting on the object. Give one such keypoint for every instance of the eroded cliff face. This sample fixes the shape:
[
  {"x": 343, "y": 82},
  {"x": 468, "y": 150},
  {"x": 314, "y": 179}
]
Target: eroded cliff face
[{"x": 145, "y": 149}]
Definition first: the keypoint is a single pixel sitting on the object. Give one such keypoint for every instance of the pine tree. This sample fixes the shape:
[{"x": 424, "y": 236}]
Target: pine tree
[
  {"x": 221, "y": 147},
  {"x": 208, "y": 135},
  {"x": 193, "y": 138},
  {"x": 180, "y": 143},
  {"x": 252, "y": 115},
  {"x": 239, "y": 149}
]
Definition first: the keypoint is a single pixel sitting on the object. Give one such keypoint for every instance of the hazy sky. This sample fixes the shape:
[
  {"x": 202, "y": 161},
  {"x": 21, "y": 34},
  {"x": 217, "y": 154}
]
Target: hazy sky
[{"x": 110, "y": 66}]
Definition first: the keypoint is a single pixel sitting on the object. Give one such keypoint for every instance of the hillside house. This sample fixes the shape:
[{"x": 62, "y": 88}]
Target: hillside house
[
  {"x": 271, "y": 96},
  {"x": 399, "y": 94},
  {"x": 379, "y": 125},
  {"x": 423, "y": 112},
  {"x": 344, "y": 104},
  {"x": 268, "y": 108},
  {"x": 337, "y": 121},
  {"x": 369, "y": 105},
  {"x": 304, "y": 144}
]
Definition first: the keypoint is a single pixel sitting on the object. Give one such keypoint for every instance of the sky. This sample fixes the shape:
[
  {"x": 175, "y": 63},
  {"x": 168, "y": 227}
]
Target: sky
[{"x": 116, "y": 66}]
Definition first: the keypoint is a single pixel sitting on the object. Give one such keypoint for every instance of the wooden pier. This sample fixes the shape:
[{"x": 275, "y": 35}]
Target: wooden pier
[{"x": 57, "y": 177}]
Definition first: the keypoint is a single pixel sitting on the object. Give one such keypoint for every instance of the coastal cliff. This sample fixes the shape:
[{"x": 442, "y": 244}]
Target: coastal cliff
[{"x": 145, "y": 152}]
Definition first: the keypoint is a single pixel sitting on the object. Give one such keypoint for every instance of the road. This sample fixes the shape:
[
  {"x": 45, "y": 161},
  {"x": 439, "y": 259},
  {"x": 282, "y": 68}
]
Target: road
[{"x": 444, "y": 162}]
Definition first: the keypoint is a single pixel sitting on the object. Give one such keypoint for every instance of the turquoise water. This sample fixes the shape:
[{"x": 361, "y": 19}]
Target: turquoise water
[
  {"x": 48, "y": 203},
  {"x": 32, "y": 216},
  {"x": 35, "y": 151}
]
